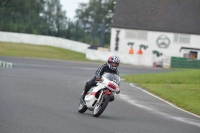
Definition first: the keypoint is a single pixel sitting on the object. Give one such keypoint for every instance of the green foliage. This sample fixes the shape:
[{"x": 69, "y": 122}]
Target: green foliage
[
  {"x": 95, "y": 17},
  {"x": 130, "y": 43},
  {"x": 157, "y": 53},
  {"x": 46, "y": 17},
  {"x": 32, "y": 16},
  {"x": 143, "y": 46}
]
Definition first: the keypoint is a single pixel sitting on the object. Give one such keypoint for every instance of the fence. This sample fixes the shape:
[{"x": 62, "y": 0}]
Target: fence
[{"x": 177, "y": 62}]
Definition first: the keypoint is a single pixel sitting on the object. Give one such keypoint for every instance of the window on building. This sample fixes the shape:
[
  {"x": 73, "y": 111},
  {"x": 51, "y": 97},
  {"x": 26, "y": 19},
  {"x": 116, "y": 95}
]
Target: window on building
[
  {"x": 193, "y": 54},
  {"x": 182, "y": 38},
  {"x": 136, "y": 34},
  {"x": 186, "y": 55}
]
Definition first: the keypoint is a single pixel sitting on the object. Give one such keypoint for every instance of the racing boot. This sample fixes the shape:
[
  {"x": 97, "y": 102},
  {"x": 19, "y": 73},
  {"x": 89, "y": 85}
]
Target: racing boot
[{"x": 82, "y": 98}]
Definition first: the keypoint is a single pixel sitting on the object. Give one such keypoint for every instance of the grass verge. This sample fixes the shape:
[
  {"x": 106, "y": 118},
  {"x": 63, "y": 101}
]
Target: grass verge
[
  {"x": 39, "y": 51},
  {"x": 181, "y": 88}
]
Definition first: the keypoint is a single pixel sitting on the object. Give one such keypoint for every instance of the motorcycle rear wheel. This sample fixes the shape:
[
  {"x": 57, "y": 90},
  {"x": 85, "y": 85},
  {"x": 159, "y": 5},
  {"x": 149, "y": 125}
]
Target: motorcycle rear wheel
[{"x": 100, "y": 107}]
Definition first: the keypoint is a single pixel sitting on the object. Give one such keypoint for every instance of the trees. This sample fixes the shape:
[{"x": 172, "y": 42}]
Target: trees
[
  {"x": 32, "y": 16},
  {"x": 46, "y": 17},
  {"x": 95, "y": 17},
  {"x": 17, "y": 16},
  {"x": 54, "y": 17}
]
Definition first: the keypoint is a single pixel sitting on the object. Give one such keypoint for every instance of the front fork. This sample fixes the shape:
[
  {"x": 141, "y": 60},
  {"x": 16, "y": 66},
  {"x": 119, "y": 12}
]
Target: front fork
[
  {"x": 100, "y": 96},
  {"x": 103, "y": 92}
]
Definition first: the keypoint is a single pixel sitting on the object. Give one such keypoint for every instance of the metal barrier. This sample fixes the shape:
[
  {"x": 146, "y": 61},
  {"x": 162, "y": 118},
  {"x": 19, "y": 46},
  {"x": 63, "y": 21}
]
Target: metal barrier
[{"x": 177, "y": 62}]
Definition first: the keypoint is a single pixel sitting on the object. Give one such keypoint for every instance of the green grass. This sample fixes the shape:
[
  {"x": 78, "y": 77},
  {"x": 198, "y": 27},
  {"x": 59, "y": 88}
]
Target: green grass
[
  {"x": 181, "y": 88},
  {"x": 38, "y": 51}
]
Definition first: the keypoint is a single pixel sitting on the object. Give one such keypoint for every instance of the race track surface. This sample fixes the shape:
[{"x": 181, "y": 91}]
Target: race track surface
[{"x": 42, "y": 96}]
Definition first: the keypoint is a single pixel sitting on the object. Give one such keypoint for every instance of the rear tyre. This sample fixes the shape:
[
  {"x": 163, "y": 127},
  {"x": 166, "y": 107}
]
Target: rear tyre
[{"x": 100, "y": 107}]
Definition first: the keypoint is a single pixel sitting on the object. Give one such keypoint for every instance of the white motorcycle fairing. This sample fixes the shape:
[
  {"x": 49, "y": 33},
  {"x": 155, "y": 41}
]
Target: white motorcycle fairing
[{"x": 95, "y": 93}]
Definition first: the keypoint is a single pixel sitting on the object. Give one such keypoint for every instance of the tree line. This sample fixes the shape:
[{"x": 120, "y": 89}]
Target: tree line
[{"x": 46, "y": 17}]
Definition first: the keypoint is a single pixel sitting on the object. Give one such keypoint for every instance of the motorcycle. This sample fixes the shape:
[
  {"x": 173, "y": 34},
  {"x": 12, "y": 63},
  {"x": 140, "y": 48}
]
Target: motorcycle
[{"x": 99, "y": 96}]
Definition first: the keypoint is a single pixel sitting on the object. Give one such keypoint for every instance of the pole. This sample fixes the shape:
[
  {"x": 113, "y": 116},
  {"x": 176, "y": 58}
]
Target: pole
[{"x": 102, "y": 35}]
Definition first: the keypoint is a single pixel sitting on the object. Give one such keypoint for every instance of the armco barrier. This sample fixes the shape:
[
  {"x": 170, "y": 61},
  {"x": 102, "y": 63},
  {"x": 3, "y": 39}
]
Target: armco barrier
[{"x": 177, "y": 62}]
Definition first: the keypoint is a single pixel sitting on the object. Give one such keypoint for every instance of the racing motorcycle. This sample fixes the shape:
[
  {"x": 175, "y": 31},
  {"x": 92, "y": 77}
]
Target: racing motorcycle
[{"x": 98, "y": 97}]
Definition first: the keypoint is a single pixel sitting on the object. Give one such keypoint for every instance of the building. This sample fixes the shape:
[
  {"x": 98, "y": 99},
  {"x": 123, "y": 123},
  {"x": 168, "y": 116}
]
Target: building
[{"x": 158, "y": 28}]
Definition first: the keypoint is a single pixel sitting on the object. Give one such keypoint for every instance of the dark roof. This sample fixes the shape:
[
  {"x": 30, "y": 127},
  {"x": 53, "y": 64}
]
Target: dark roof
[
  {"x": 179, "y": 16},
  {"x": 189, "y": 48}
]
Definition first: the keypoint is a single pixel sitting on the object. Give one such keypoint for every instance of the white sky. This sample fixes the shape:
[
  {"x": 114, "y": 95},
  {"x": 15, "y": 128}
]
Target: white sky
[{"x": 70, "y": 6}]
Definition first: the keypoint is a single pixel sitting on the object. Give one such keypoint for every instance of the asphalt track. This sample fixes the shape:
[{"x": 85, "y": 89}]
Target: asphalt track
[{"x": 41, "y": 96}]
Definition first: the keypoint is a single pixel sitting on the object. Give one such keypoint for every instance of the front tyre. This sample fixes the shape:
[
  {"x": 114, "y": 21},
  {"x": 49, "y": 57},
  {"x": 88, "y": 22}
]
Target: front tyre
[
  {"x": 82, "y": 108},
  {"x": 100, "y": 107}
]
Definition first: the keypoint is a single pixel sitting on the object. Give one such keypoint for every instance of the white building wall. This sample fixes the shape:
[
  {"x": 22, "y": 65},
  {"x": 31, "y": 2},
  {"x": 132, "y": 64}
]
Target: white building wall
[{"x": 172, "y": 50}]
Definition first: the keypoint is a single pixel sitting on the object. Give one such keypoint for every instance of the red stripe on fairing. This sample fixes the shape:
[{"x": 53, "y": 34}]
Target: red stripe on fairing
[
  {"x": 94, "y": 93},
  {"x": 108, "y": 92}
]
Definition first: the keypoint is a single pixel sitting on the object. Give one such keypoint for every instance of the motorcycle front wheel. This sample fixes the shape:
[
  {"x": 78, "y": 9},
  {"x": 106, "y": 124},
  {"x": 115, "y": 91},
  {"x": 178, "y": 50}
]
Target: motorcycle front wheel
[{"x": 101, "y": 106}]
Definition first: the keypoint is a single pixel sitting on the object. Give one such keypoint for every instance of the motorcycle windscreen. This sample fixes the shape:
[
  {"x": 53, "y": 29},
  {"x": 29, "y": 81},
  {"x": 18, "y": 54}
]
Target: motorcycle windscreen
[{"x": 112, "y": 77}]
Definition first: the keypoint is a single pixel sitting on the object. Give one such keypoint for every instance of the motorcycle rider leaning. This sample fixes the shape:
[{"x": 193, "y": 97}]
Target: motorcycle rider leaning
[{"x": 110, "y": 67}]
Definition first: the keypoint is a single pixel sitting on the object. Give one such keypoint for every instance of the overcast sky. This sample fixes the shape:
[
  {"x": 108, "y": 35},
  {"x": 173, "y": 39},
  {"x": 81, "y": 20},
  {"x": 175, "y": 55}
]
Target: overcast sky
[{"x": 70, "y": 6}]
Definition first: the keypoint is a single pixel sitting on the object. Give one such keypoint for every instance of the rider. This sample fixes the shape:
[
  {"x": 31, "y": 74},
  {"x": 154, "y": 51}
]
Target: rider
[{"x": 110, "y": 67}]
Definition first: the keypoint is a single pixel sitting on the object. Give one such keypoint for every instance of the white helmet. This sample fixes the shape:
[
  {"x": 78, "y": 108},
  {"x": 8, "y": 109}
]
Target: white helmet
[{"x": 113, "y": 62}]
